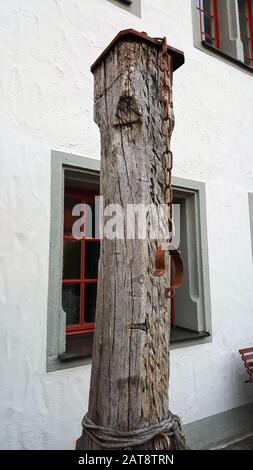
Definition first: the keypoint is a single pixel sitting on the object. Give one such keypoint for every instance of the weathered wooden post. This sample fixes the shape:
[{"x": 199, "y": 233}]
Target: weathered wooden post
[{"x": 130, "y": 364}]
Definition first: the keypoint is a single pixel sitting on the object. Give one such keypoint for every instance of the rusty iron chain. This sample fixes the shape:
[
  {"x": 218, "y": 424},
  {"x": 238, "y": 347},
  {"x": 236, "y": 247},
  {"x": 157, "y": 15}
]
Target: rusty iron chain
[
  {"x": 167, "y": 126},
  {"x": 167, "y": 129},
  {"x": 162, "y": 440}
]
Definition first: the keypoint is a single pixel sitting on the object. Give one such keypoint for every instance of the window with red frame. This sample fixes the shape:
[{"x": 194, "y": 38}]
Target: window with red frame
[
  {"x": 246, "y": 29},
  {"x": 80, "y": 269},
  {"x": 209, "y": 22}
]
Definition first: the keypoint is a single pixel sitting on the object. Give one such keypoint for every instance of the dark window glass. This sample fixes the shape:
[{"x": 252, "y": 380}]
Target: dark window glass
[
  {"x": 207, "y": 6},
  {"x": 242, "y": 8},
  {"x": 92, "y": 250},
  {"x": 90, "y": 220},
  {"x": 208, "y": 22},
  {"x": 68, "y": 218},
  {"x": 245, "y": 22},
  {"x": 71, "y": 259},
  {"x": 90, "y": 302},
  {"x": 71, "y": 303}
]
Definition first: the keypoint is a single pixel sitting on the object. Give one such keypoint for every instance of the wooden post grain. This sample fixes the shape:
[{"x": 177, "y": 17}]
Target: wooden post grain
[{"x": 130, "y": 362}]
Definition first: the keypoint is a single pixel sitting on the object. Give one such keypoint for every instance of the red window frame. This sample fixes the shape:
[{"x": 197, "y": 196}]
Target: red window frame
[
  {"x": 82, "y": 327},
  {"x": 215, "y": 20},
  {"x": 249, "y": 20}
]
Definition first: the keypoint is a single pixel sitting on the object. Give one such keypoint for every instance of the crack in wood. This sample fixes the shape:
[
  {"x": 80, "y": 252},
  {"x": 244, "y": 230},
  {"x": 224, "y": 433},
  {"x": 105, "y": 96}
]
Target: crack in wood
[
  {"x": 127, "y": 123},
  {"x": 140, "y": 326}
]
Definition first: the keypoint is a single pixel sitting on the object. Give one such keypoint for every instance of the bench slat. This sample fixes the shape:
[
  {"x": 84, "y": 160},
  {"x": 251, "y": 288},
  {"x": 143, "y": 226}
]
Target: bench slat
[
  {"x": 247, "y": 357},
  {"x": 247, "y": 350}
]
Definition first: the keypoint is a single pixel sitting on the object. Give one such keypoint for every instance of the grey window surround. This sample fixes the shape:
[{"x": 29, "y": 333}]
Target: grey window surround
[
  {"x": 193, "y": 307},
  {"x": 196, "y": 314},
  {"x": 231, "y": 48},
  {"x": 56, "y": 316},
  {"x": 132, "y": 6}
]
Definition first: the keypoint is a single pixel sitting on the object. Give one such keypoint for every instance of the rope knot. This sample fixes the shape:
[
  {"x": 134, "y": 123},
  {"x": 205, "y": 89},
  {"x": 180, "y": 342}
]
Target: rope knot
[{"x": 161, "y": 434}]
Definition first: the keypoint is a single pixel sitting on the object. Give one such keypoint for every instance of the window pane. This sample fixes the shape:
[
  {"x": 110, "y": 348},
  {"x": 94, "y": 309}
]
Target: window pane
[
  {"x": 242, "y": 7},
  {"x": 90, "y": 220},
  {"x": 246, "y": 47},
  {"x": 71, "y": 303},
  {"x": 92, "y": 251},
  {"x": 71, "y": 259},
  {"x": 207, "y": 21},
  {"x": 68, "y": 218},
  {"x": 209, "y": 26},
  {"x": 90, "y": 302},
  {"x": 208, "y": 40},
  {"x": 207, "y": 6},
  {"x": 244, "y": 28}
]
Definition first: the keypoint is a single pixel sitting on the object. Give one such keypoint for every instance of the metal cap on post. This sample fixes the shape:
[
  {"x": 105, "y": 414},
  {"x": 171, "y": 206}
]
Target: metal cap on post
[{"x": 136, "y": 36}]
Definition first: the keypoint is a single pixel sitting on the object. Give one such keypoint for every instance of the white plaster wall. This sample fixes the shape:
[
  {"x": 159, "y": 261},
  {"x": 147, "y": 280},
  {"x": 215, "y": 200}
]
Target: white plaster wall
[{"x": 46, "y": 93}]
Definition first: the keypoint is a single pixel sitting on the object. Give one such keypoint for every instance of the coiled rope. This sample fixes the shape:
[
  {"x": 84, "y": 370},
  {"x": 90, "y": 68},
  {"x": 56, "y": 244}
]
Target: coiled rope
[{"x": 161, "y": 434}]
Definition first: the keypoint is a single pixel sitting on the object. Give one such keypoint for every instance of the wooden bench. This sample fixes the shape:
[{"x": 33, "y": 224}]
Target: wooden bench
[{"x": 247, "y": 357}]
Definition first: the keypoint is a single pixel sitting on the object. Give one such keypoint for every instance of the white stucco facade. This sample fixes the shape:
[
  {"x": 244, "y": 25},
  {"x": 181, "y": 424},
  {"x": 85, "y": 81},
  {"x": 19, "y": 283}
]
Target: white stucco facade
[{"x": 46, "y": 102}]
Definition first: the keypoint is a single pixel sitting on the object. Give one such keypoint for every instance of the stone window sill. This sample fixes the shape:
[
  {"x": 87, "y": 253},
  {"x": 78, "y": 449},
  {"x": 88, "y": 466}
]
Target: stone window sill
[
  {"x": 223, "y": 55},
  {"x": 179, "y": 335},
  {"x": 78, "y": 349}
]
